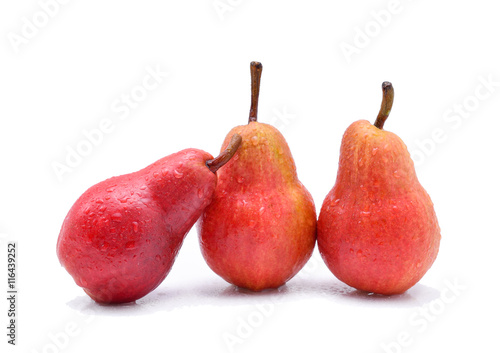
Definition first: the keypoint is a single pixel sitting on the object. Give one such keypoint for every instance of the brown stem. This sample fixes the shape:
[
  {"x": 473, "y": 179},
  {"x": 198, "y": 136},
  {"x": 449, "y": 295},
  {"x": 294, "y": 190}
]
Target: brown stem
[
  {"x": 385, "y": 108},
  {"x": 226, "y": 155},
  {"x": 255, "y": 73}
]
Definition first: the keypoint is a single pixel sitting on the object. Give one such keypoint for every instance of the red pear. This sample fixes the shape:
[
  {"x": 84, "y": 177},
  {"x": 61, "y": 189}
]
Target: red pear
[
  {"x": 260, "y": 228},
  {"x": 120, "y": 238},
  {"x": 377, "y": 229}
]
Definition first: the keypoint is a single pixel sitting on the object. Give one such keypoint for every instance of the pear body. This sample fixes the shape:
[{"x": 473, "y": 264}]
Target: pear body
[
  {"x": 120, "y": 238},
  {"x": 260, "y": 228},
  {"x": 377, "y": 229}
]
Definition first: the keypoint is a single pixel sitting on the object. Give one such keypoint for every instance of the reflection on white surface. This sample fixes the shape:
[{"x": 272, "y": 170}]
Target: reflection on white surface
[{"x": 220, "y": 293}]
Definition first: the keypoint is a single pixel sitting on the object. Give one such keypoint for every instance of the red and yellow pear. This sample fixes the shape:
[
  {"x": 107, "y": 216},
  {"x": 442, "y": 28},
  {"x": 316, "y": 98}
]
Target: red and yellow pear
[
  {"x": 260, "y": 228},
  {"x": 377, "y": 229}
]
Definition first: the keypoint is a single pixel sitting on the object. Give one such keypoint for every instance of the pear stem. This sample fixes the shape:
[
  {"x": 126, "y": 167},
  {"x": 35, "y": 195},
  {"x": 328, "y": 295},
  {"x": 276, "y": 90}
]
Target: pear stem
[
  {"x": 226, "y": 155},
  {"x": 255, "y": 73},
  {"x": 385, "y": 108}
]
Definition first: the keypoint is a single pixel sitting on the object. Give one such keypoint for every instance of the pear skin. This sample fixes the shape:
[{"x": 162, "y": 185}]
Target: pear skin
[
  {"x": 121, "y": 237},
  {"x": 377, "y": 228},
  {"x": 260, "y": 228}
]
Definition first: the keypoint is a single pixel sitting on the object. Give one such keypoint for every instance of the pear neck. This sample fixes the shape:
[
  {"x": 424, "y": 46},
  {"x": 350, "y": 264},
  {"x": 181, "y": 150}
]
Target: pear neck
[
  {"x": 264, "y": 159},
  {"x": 371, "y": 159}
]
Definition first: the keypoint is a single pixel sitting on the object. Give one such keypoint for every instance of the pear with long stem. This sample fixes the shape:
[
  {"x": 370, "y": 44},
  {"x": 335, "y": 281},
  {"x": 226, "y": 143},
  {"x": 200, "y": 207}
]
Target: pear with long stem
[{"x": 260, "y": 228}]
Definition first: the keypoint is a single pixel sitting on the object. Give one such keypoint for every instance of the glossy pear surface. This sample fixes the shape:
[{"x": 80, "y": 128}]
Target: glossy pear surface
[
  {"x": 120, "y": 238},
  {"x": 260, "y": 228},
  {"x": 377, "y": 229}
]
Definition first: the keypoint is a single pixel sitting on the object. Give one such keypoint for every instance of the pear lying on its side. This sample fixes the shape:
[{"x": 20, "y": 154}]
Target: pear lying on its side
[
  {"x": 120, "y": 238},
  {"x": 377, "y": 229}
]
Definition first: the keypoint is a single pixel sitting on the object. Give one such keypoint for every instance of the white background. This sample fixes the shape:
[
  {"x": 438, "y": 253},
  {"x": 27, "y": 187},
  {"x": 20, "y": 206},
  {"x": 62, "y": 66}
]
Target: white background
[{"x": 63, "y": 77}]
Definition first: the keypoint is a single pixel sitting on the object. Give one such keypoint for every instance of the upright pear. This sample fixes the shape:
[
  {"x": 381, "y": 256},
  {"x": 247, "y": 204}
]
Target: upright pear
[
  {"x": 377, "y": 229},
  {"x": 260, "y": 228},
  {"x": 120, "y": 238}
]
